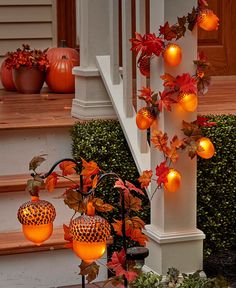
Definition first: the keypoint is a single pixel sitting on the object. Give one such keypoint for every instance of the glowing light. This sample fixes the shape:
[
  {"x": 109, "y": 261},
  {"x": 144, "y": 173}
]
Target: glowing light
[
  {"x": 208, "y": 21},
  {"x": 188, "y": 102},
  {"x": 206, "y": 149},
  {"x": 144, "y": 118},
  {"x": 172, "y": 55},
  {"x": 174, "y": 180}
]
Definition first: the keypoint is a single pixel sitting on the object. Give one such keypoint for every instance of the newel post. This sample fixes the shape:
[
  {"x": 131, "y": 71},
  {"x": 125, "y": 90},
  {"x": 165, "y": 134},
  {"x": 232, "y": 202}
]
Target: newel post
[
  {"x": 174, "y": 240},
  {"x": 91, "y": 98}
]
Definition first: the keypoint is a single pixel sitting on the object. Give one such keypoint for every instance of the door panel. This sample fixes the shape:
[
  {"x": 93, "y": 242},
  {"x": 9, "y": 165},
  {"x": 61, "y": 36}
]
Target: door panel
[{"x": 220, "y": 46}]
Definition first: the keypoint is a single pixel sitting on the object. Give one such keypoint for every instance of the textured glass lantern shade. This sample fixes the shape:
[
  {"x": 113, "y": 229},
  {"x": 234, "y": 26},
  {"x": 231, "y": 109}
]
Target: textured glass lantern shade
[
  {"x": 36, "y": 217},
  {"x": 172, "y": 55},
  {"x": 188, "y": 101},
  {"x": 174, "y": 181},
  {"x": 90, "y": 234},
  {"x": 144, "y": 118},
  {"x": 208, "y": 21},
  {"x": 206, "y": 149}
]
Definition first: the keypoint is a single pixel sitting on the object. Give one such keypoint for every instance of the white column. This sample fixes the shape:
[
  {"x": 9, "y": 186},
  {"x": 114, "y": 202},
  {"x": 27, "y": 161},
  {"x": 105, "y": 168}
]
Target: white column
[
  {"x": 91, "y": 98},
  {"x": 174, "y": 240}
]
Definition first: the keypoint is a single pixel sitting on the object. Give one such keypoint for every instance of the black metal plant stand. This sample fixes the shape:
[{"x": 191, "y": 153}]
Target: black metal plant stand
[{"x": 132, "y": 254}]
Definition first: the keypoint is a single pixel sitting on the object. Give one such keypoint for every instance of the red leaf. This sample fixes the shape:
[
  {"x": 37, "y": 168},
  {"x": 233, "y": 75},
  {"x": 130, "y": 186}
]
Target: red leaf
[
  {"x": 67, "y": 168},
  {"x": 176, "y": 142},
  {"x": 186, "y": 83},
  {"x": 120, "y": 184},
  {"x": 161, "y": 171},
  {"x": 167, "y": 32},
  {"x": 145, "y": 178},
  {"x": 117, "y": 263},
  {"x": 203, "y": 121},
  {"x": 165, "y": 101},
  {"x": 169, "y": 80},
  {"x": 51, "y": 182},
  {"x": 134, "y": 188},
  {"x": 146, "y": 94}
]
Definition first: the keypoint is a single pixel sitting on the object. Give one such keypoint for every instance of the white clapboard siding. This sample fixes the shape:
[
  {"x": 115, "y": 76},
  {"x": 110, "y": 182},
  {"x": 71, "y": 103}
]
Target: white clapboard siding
[{"x": 31, "y": 22}]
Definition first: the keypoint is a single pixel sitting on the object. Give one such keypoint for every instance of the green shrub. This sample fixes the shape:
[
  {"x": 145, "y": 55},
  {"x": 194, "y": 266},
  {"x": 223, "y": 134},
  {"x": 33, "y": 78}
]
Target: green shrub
[
  {"x": 104, "y": 143},
  {"x": 216, "y": 186}
]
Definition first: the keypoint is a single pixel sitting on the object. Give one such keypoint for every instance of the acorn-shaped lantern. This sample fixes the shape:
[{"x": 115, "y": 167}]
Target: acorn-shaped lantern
[
  {"x": 36, "y": 217},
  {"x": 173, "y": 181},
  {"x": 205, "y": 149},
  {"x": 145, "y": 117},
  {"x": 207, "y": 20},
  {"x": 188, "y": 101},
  {"x": 90, "y": 234},
  {"x": 172, "y": 54}
]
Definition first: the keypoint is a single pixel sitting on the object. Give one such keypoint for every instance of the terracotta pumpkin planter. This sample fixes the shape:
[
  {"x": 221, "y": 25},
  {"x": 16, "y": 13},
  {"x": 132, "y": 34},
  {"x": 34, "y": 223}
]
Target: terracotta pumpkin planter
[{"x": 6, "y": 77}]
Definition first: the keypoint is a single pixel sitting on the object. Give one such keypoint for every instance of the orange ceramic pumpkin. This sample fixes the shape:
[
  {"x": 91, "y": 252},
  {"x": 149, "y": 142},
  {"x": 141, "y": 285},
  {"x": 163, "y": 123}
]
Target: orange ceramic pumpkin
[
  {"x": 172, "y": 54},
  {"x": 59, "y": 76},
  {"x": 7, "y": 77},
  {"x": 205, "y": 149},
  {"x": 56, "y": 53}
]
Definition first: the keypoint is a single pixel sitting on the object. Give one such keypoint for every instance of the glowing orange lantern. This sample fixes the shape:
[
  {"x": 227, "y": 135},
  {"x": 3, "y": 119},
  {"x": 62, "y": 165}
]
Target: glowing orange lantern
[
  {"x": 36, "y": 217},
  {"x": 145, "y": 117},
  {"x": 90, "y": 235},
  {"x": 172, "y": 55},
  {"x": 188, "y": 101},
  {"x": 205, "y": 148},
  {"x": 208, "y": 21},
  {"x": 174, "y": 180}
]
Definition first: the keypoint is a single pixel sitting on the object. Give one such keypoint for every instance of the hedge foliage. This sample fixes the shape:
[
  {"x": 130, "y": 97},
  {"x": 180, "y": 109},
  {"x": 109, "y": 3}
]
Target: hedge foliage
[
  {"x": 104, "y": 142},
  {"x": 216, "y": 186}
]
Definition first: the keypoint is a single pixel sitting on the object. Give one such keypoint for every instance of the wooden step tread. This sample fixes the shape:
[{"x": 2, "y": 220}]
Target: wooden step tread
[
  {"x": 15, "y": 242},
  {"x": 25, "y": 111},
  {"x": 13, "y": 183}
]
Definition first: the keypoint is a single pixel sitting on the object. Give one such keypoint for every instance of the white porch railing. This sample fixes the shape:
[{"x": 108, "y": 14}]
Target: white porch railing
[{"x": 121, "y": 87}]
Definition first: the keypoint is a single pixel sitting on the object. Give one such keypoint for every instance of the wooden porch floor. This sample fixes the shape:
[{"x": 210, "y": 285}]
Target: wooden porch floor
[{"x": 19, "y": 111}]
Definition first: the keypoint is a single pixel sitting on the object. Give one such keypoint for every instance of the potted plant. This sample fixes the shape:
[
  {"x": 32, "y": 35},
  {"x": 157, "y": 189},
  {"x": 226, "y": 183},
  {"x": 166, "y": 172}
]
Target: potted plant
[{"x": 29, "y": 67}]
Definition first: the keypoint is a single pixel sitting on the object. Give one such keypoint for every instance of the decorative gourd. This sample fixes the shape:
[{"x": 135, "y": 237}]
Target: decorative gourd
[
  {"x": 7, "y": 77},
  {"x": 36, "y": 217},
  {"x": 56, "y": 53},
  {"x": 59, "y": 77},
  {"x": 90, "y": 234}
]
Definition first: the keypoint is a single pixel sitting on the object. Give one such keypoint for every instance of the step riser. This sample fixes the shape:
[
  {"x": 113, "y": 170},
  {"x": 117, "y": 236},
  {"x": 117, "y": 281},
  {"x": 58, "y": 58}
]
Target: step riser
[
  {"x": 18, "y": 147},
  {"x": 10, "y": 202},
  {"x": 43, "y": 270}
]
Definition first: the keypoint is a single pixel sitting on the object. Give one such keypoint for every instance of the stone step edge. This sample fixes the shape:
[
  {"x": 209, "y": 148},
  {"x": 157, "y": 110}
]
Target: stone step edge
[
  {"x": 14, "y": 242},
  {"x": 14, "y": 183}
]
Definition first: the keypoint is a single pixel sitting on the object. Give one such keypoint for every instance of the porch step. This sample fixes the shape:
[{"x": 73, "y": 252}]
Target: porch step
[
  {"x": 24, "y": 111},
  {"x": 15, "y": 243},
  {"x": 13, "y": 183}
]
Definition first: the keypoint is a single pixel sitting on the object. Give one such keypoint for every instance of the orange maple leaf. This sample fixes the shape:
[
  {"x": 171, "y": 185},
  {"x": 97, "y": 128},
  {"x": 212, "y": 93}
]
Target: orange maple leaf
[
  {"x": 172, "y": 154},
  {"x": 176, "y": 142},
  {"x": 68, "y": 237},
  {"x": 145, "y": 178},
  {"x": 51, "y": 182},
  {"x": 159, "y": 140},
  {"x": 89, "y": 168},
  {"x": 132, "y": 203},
  {"x": 139, "y": 237},
  {"x": 117, "y": 225},
  {"x": 67, "y": 168}
]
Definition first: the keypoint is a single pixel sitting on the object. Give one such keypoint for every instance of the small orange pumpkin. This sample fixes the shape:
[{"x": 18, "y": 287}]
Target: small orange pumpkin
[
  {"x": 7, "y": 77},
  {"x": 59, "y": 77},
  {"x": 205, "y": 149},
  {"x": 188, "y": 101},
  {"x": 173, "y": 181}
]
